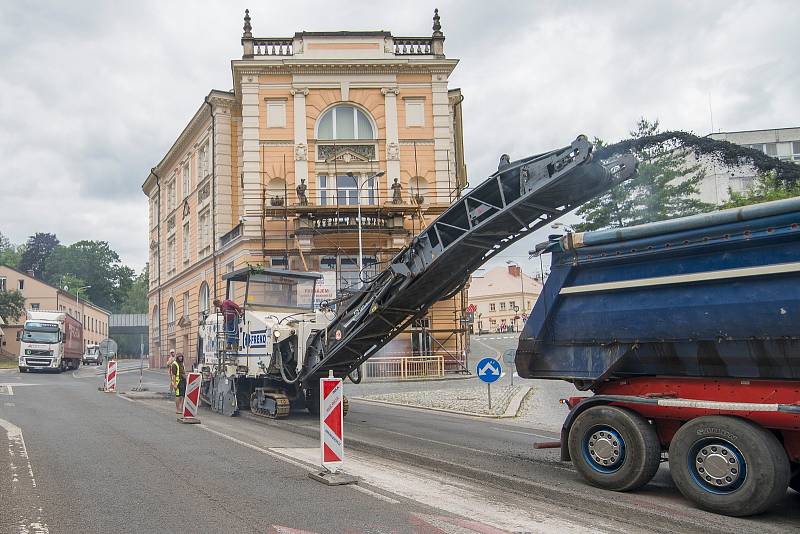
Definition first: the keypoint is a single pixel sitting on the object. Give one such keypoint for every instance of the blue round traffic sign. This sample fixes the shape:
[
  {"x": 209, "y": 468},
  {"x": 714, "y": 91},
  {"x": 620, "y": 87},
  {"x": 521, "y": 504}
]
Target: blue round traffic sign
[{"x": 489, "y": 370}]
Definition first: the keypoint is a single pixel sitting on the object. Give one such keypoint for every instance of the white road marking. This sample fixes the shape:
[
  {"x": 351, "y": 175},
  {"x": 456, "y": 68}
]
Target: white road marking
[
  {"x": 6, "y": 389},
  {"x": 10, "y": 404},
  {"x": 17, "y": 448},
  {"x": 526, "y": 433},
  {"x": 457, "y": 496},
  {"x": 375, "y": 494}
]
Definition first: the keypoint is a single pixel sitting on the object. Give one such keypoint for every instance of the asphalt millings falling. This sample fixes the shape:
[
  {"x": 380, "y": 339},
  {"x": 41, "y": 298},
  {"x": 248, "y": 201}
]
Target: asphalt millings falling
[{"x": 727, "y": 153}]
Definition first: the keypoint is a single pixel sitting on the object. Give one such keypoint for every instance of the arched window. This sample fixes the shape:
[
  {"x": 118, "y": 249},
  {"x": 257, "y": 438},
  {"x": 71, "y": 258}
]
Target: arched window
[
  {"x": 204, "y": 303},
  {"x": 345, "y": 122},
  {"x": 171, "y": 312}
]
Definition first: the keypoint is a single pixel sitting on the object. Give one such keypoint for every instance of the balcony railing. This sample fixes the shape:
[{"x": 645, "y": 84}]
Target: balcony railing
[
  {"x": 413, "y": 46},
  {"x": 273, "y": 47},
  {"x": 234, "y": 233}
]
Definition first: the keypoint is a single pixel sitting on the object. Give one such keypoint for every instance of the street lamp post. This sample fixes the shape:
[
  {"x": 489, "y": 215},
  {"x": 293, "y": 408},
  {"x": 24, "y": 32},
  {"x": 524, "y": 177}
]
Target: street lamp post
[{"x": 358, "y": 203}]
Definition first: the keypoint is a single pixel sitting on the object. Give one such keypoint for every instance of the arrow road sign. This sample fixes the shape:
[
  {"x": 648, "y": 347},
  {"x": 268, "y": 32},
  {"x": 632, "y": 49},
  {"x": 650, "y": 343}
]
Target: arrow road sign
[{"x": 489, "y": 370}]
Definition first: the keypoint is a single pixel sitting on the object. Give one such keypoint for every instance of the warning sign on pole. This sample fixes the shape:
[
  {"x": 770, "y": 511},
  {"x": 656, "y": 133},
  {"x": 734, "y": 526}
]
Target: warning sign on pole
[
  {"x": 331, "y": 421},
  {"x": 111, "y": 376},
  {"x": 191, "y": 398}
]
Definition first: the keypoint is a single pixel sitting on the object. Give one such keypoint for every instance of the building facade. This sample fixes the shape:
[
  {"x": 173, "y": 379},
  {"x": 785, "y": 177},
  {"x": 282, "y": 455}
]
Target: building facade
[
  {"x": 40, "y": 295},
  {"x": 502, "y": 299},
  {"x": 781, "y": 143},
  {"x": 274, "y": 172}
]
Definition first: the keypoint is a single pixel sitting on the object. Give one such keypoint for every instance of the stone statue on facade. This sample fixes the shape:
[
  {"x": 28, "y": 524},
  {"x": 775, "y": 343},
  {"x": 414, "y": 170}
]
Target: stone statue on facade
[
  {"x": 397, "y": 192},
  {"x": 302, "y": 199}
]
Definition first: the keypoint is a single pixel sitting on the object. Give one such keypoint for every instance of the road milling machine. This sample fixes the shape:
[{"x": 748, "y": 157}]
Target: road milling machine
[{"x": 287, "y": 342}]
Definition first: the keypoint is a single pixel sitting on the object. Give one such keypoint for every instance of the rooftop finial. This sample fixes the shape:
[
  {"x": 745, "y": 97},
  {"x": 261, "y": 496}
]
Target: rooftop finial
[
  {"x": 437, "y": 27},
  {"x": 248, "y": 29}
]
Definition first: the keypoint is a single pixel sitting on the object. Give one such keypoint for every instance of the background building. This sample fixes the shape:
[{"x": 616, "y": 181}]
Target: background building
[
  {"x": 42, "y": 296},
  {"x": 502, "y": 298},
  {"x": 781, "y": 143},
  {"x": 273, "y": 172}
]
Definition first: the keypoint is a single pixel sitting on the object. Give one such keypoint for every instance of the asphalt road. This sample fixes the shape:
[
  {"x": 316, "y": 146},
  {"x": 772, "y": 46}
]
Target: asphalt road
[
  {"x": 99, "y": 462},
  {"x": 89, "y": 461}
]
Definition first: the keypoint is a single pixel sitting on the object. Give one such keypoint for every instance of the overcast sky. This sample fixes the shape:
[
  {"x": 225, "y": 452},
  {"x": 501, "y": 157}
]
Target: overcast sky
[{"x": 94, "y": 93}]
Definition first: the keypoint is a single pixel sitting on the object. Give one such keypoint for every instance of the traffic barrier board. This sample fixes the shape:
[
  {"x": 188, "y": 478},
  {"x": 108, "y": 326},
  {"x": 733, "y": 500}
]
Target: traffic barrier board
[
  {"x": 191, "y": 398},
  {"x": 331, "y": 423},
  {"x": 111, "y": 377},
  {"x": 489, "y": 370}
]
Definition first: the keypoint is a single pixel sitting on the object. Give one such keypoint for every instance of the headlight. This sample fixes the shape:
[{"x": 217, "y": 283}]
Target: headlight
[{"x": 276, "y": 333}]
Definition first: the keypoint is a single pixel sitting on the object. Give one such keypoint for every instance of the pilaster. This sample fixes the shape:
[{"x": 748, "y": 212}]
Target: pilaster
[
  {"x": 300, "y": 136},
  {"x": 251, "y": 165},
  {"x": 441, "y": 138},
  {"x": 392, "y": 137}
]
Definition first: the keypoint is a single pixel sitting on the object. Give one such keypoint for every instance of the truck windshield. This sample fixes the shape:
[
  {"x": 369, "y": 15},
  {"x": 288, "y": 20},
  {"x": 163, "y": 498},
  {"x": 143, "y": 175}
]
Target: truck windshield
[
  {"x": 92, "y": 350},
  {"x": 40, "y": 333}
]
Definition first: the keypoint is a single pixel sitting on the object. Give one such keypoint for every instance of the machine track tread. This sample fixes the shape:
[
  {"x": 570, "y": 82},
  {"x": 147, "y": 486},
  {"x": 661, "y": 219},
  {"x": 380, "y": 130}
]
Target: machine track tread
[{"x": 281, "y": 400}]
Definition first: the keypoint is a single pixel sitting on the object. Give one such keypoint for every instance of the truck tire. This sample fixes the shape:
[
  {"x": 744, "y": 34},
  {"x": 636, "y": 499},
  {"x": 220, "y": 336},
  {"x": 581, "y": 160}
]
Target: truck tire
[
  {"x": 794, "y": 483},
  {"x": 728, "y": 465},
  {"x": 614, "y": 448}
]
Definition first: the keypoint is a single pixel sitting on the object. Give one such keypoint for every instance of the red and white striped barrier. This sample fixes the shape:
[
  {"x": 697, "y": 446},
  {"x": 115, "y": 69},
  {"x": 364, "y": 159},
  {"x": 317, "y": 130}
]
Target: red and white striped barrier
[
  {"x": 331, "y": 422},
  {"x": 191, "y": 397},
  {"x": 111, "y": 376}
]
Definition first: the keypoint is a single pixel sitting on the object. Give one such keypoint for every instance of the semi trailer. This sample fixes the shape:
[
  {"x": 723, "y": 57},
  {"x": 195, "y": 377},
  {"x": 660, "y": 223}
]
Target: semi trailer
[
  {"x": 50, "y": 340},
  {"x": 272, "y": 358},
  {"x": 687, "y": 332}
]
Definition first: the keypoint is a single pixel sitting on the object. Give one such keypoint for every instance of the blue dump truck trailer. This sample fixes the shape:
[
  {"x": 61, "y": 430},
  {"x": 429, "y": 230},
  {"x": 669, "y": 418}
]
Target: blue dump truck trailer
[{"x": 687, "y": 331}]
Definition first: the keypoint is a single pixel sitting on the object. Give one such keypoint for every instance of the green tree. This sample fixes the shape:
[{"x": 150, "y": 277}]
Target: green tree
[
  {"x": 98, "y": 266},
  {"x": 12, "y": 306},
  {"x": 37, "y": 251},
  {"x": 765, "y": 188},
  {"x": 136, "y": 297},
  {"x": 72, "y": 285},
  {"x": 665, "y": 187},
  {"x": 10, "y": 255}
]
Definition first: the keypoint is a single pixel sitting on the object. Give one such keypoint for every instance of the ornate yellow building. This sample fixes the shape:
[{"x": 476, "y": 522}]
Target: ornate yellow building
[{"x": 274, "y": 173}]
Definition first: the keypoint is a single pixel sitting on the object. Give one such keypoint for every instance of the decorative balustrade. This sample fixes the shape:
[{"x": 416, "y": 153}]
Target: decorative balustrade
[
  {"x": 273, "y": 47},
  {"x": 234, "y": 233},
  {"x": 351, "y": 221},
  {"x": 413, "y": 46}
]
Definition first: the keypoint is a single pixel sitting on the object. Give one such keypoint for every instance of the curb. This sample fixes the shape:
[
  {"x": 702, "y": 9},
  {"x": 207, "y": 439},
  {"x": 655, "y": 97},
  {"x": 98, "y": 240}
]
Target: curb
[{"x": 511, "y": 411}]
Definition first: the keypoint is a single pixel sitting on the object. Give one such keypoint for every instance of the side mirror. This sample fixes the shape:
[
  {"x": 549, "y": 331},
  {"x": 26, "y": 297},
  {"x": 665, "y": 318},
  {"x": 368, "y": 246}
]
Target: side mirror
[{"x": 19, "y": 335}]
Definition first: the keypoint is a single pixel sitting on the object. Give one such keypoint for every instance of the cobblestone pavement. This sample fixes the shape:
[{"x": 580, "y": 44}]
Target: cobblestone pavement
[{"x": 473, "y": 398}]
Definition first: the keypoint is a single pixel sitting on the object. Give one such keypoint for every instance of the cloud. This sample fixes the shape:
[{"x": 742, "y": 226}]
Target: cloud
[{"x": 96, "y": 92}]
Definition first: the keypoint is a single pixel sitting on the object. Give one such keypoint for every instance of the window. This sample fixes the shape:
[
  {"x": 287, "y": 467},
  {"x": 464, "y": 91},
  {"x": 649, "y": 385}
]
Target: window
[
  {"x": 153, "y": 211},
  {"x": 186, "y": 305},
  {"x": 421, "y": 337},
  {"x": 2, "y": 283},
  {"x": 21, "y": 284},
  {"x": 171, "y": 314},
  {"x": 796, "y": 150},
  {"x": 511, "y": 305},
  {"x": 34, "y": 305},
  {"x": 345, "y": 122},
  {"x": 186, "y": 242},
  {"x": 502, "y": 306},
  {"x": 187, "y": 181},
  {"x": 347, "y": 270},
  {"x": 276, "y": 114},
  {"x": 278, "y": 262},
  {"x": 345, "y": 190},
  {"x": 229, "y": 267},
  {"x": 156, "y": 324},
  {"x": 771, "y": 149},
  {"x": 171, "y": 193},
  {"x": 415, "y": 112},
  {"x": 171, "y": 255},
  {"x": 492, "y": 307},
  {"x": 202, "y": 162},
  {"x": 204, "y": 231},
  {"x": 203, "y": 301}
]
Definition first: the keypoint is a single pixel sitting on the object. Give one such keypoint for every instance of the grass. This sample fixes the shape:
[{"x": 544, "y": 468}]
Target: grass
[{"x": 8, "y": 364}]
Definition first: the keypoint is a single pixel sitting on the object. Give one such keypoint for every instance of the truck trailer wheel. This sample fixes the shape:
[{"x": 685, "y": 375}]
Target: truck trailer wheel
[
  {"x": 728, "y": 465},
  {"x": 614, "y": 448}
]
